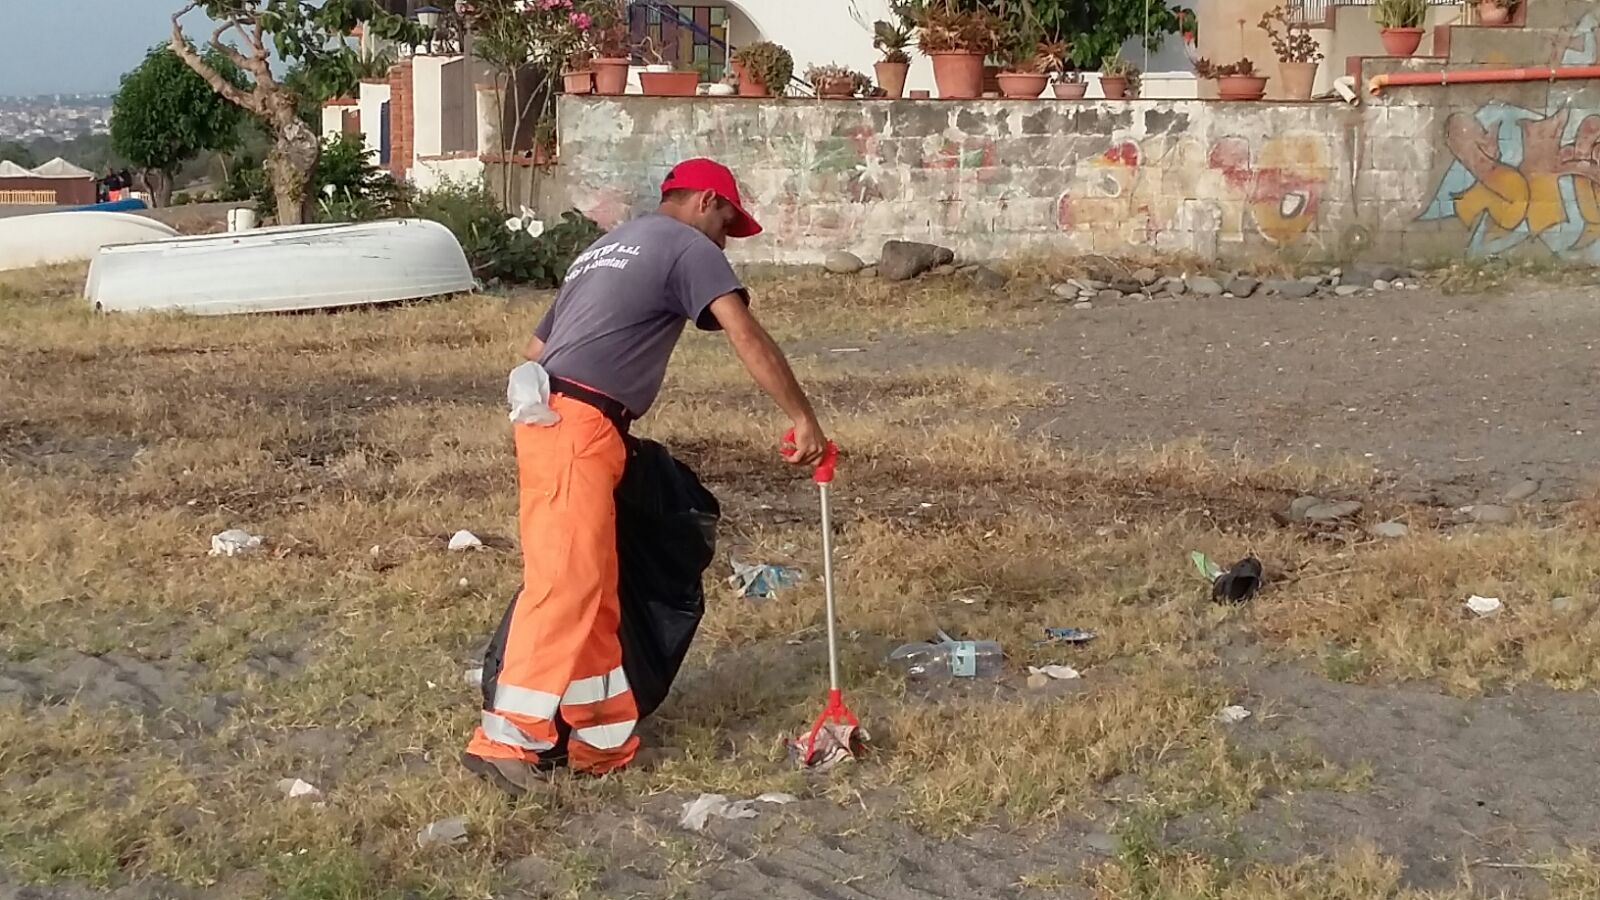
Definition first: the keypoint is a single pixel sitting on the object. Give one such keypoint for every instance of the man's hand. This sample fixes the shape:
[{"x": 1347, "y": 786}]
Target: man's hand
[
  {"x": 767, "y": 365},
  {"x": 807, "y": 445}
]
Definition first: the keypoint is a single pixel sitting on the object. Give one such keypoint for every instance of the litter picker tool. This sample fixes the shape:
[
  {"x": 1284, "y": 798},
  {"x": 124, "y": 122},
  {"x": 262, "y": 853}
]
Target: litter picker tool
[{"x": 836, "y": 735}]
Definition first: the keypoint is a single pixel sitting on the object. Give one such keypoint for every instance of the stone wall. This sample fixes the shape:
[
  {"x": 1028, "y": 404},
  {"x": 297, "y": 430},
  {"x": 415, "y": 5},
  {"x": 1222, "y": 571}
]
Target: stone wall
[
  {"x": 1418, "y": 174},
  {"x": 989, "y": 178}
]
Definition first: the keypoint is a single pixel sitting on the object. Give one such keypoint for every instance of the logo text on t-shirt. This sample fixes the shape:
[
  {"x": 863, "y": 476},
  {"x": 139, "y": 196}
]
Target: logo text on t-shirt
[{"x": 610, "y": 256}]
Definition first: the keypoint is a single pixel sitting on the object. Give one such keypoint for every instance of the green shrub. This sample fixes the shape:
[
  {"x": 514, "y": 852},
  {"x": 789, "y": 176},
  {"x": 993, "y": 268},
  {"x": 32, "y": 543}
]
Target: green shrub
[{"x": 496, "y": 253}]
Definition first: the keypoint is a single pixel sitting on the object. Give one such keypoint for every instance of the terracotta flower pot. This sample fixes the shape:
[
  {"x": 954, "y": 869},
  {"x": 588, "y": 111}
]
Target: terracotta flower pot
[
  {"x": 578, "y": 82},
  {"x": 1070, "y": 90},
  {"x": 1241, "y": 87},
  {"x": 1401, "y": 41},
  {"x": 959, "y": 75},
  {"x": 749, "y": 85},
  {"x": 1115, "y": 87},
  {"x": 610, "y": 76},
  {"x": 834, "y": 88},
  {"x": 1022, "y": 85},
  {"x": 670, "y": 84},
  {"x": 1492, "y": 13},
  {"x": 892, "y": 78},
  {"x": 1299, "y": 79}
]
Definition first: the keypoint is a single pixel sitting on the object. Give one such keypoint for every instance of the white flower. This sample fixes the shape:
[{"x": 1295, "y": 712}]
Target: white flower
[
  {"x": 329, "y": 189},
  {"x": 514, "y": 224},
  {"x": 535, "y": 228}
]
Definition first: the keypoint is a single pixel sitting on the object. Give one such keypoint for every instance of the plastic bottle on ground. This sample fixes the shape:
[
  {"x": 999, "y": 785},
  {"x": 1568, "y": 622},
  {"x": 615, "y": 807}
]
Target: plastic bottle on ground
[{"x": 928, "y": 661}]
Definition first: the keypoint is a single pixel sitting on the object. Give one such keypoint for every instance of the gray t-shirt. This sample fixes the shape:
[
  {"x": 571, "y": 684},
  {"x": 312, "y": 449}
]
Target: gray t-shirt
[{"x": 618, "y": 318}]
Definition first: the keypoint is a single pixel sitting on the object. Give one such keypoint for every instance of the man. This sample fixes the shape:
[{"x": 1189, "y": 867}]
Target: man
[{"x": 605, "y": 344}]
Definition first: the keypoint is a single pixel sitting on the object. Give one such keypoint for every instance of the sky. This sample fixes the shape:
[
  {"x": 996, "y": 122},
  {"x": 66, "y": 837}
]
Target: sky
[{"x": 79, "y": 46}]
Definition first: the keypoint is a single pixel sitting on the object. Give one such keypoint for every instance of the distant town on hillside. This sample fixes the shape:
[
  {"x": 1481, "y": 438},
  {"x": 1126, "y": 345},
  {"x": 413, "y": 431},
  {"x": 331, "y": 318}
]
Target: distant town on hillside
[{"x": 54, "y": 117}]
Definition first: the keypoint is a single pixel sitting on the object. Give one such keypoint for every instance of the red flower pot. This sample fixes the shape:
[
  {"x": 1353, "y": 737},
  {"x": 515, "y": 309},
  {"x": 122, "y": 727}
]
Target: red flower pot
[
  {"x": 670, "y": 84},
  {"x": 892, "y": 78},
  {"x": 1022, "y": 85},
  {"x": 959, "y": 75},
  {"x": 1401, "y": 41},
  {"x": 578, "y": 82},
  {"x": 1241, "y": 87},
  {"x": 610, "y": 76}
]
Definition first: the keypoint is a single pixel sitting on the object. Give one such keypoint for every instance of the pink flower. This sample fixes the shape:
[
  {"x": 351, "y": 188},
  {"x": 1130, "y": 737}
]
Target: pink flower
[{"x": 581, "y": 20}]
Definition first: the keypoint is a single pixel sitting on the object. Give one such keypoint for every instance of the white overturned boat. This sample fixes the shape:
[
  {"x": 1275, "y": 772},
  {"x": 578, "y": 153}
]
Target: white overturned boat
[
  {"x": 295, "y": 267},
  {"x": 50, "y": 238}
]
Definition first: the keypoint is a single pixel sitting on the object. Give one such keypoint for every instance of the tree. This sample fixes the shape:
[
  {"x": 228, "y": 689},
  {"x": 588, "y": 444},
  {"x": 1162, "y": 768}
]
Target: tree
[
  {"x": 165, "y": 114},
  {"x": 1097, "y": 29},
  {"x": 12, "y": 151},
  {"x": 311, "y": 37}
]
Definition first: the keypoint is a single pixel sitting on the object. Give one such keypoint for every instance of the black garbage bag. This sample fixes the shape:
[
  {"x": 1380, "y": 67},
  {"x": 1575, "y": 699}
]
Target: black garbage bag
[{"x": 666, "y": 539}]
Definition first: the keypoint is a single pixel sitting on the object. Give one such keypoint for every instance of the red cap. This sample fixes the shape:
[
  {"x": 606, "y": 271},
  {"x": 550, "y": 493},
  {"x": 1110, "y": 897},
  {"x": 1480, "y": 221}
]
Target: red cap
[{"x": 709, "y": 175}]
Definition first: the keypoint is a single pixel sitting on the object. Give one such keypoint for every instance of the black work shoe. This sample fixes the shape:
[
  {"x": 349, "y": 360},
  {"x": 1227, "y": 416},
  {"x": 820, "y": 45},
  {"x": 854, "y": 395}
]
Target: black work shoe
[{"x": 515, "y": 777}]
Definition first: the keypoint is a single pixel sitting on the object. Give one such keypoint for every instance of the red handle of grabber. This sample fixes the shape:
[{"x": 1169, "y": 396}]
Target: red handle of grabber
[{"x": 830, "y": 458}]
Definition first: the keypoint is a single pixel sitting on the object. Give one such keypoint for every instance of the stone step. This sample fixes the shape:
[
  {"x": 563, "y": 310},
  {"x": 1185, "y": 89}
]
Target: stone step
[
  {"x": 1499, "y": 45},
  {"x": 1561, "y": 14}
]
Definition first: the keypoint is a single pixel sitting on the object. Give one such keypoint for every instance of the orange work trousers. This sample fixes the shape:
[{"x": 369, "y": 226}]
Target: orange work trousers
[{"x": 562, "y": 655}]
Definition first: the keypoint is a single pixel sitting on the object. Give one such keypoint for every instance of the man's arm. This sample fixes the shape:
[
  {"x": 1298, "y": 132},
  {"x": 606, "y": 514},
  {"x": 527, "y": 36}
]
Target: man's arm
[
  {"x": 535, "y": 349},
  {"x": 767, "y": 365}
]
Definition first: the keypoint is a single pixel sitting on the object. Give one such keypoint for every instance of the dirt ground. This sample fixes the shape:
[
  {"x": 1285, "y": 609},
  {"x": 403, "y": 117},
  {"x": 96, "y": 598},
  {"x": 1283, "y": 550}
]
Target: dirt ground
[{"x": 1011, "y": 464}]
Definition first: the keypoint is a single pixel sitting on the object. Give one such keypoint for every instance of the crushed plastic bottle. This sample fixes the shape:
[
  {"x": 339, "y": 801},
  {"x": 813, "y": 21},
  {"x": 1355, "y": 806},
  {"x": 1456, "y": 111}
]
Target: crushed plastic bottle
[{"x": 949, "y": 658}]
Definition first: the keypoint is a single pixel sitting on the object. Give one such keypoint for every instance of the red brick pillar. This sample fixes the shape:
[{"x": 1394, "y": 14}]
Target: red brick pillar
[{"x": 402, "y": 120}]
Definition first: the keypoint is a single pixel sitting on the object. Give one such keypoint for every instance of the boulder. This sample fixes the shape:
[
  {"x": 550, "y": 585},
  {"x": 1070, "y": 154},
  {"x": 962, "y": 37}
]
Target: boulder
[
  {"x": 843, "y": 262},
  {"x": 905, "y": 260},
  {"x": 1242, "y": 286}
]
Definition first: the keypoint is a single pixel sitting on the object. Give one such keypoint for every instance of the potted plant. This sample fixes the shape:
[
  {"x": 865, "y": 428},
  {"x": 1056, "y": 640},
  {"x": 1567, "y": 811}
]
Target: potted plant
[
  {"x": 577, "y": 77},
  {"x": 892, "y": 40},
  {"x": 661, "y": 79},
  {"x": 1495, "y": 12},
  {"x": 1235, "y": 81},
  {"x": 764, "y": 69},
  {"x": 836, "y": 82},
  {"x": 957, "y": 39},
  {"x": 612, "y": 59},
  {"x": 1117, "y": 77},
  {"x": 1400, "y": 22},
  {"x": 1026, "y": 71},
  {"x": 1297, "y": 50},
  {"x": 1069, "y": 85}
]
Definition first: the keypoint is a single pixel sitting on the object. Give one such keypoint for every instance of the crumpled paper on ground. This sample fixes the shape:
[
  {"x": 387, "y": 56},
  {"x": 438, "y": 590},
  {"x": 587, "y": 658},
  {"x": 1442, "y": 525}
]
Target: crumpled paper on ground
[
  {"x": 294, "y": 788},
  {"x": 764, "y": 581},
  {"x": 1484, "y": 606},
  {"x": 1233, "y": 715},
  {"x": 234, "y": 542},
  {"x": 1057, "y": 673},
  {"x": 464, "y": 540},
  {"x": 836, "y": 743},
  {"x": 697, "y": 811}
]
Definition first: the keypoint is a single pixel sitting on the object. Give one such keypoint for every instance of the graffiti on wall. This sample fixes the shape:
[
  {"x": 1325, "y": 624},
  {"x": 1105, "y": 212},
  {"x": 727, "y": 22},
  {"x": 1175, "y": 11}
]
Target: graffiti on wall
[
  {"x": 1519, "y": 176},
  {"x": 1276, "y": 188},
  {"x": 1582, "y": 44}
]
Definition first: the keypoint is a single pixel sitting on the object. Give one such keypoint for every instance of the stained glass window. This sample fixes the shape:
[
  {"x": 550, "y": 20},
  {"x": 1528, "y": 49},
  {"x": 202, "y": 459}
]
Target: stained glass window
[{"x": 694, "y": 35}]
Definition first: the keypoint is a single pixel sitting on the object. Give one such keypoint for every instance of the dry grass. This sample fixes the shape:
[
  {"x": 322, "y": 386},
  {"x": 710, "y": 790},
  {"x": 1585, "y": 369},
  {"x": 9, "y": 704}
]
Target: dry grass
[{"x": 358, "y": 442}]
